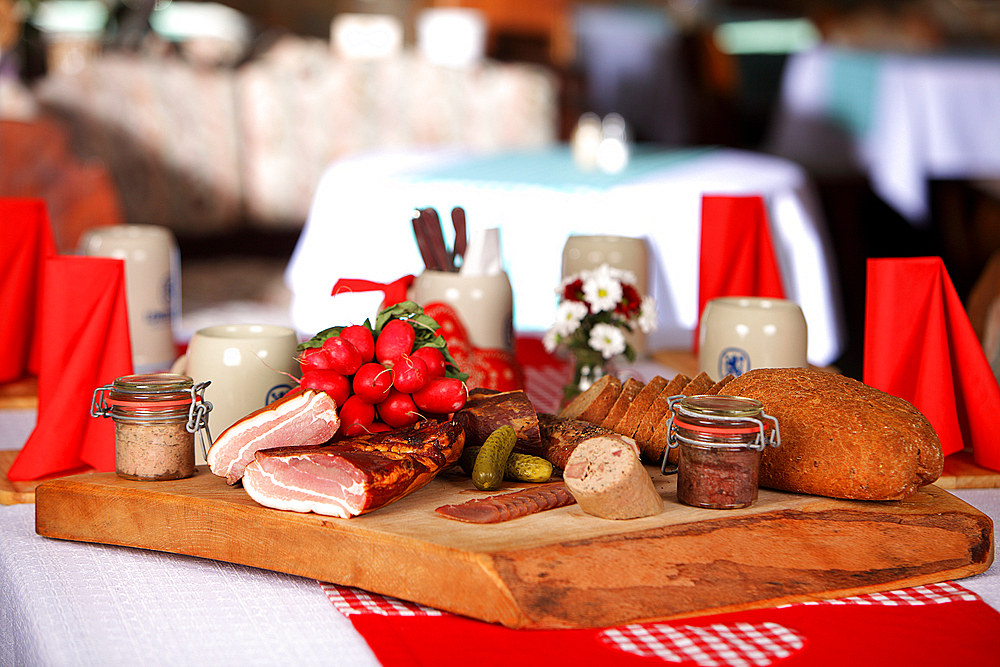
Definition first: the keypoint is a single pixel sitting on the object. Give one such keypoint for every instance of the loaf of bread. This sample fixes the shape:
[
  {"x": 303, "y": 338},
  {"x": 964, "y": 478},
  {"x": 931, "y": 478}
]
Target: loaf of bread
[{"x": 839, "y": 437}]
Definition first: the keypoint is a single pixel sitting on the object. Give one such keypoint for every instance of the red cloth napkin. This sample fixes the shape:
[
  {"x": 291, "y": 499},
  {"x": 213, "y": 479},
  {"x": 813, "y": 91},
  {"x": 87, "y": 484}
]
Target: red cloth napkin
[
  {"x": 920, "y": 346},
  {"x": 27, "y": 241},
  {"x": 937, "y": 624},
  {"x": 85, "y": 345},
  {"x": 737, "y": 258}
]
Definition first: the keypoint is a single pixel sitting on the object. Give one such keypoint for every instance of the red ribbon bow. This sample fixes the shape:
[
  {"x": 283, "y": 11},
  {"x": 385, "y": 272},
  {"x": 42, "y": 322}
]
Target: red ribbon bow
[{"x": 394, "y": 292}]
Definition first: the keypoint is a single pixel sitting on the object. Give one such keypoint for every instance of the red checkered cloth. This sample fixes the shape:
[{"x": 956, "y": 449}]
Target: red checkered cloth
[
  {"x": 545, "y": 375},
  {"x": 735, "y": 645},
  {"x": 350, "y": 601},
  {"x": 933, "y": 624},
  {"x": 947, "y": 591}
]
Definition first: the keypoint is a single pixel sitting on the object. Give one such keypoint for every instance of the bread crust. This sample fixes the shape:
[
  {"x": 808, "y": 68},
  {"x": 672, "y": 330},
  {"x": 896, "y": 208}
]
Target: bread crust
[
  {"x": 841, "y": 438},
  {"x": 699, "y": 385}
]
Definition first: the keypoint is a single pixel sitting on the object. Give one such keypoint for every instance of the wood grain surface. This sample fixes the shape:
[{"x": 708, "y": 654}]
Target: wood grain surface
[{"x": 557, "y": 569}]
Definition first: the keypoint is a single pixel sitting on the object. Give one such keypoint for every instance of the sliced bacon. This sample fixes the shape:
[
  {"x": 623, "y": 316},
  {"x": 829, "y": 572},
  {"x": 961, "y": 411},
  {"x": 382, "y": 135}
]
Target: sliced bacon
[
  {"x": 353, "y": 476},
  {"x": 508, "y": 506},
  {"x": 305, "y": 417}
]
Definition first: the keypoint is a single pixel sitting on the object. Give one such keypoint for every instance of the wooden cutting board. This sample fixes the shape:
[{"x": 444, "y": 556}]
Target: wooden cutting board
[{"x": 556, "y": 569}]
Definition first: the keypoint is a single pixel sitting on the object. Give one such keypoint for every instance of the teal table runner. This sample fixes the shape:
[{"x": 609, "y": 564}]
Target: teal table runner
[
  {"x": 853, "y": 89},
  {"x": 554, "y": 168}
]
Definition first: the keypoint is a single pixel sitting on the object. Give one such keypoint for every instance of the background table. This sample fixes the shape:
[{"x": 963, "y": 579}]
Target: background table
[
  {"x": 359, "y": 227},
  {"x": 902, "y": 119}
]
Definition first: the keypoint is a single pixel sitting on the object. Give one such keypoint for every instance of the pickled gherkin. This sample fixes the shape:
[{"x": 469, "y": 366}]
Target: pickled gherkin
[
  {"x": 519, "y": 468},
  {"x": 491, "y": 461}
]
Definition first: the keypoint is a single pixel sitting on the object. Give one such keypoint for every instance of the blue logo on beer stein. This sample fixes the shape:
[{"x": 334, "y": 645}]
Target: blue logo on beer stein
[
  {"x": 276, "y": 392},
  {"x": 733, "y": 361}
]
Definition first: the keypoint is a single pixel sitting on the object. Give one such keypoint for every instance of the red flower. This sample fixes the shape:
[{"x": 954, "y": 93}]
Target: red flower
[
  {"x": 630, "y": 303},
  {"x": 574, "y": 291}
]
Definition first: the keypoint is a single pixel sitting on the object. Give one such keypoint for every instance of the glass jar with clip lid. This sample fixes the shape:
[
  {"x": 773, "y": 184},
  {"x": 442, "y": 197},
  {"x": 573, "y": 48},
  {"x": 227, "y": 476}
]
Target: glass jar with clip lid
[
  {"x": 156, "y": 417},
  {"x": 720, "y": 440}
]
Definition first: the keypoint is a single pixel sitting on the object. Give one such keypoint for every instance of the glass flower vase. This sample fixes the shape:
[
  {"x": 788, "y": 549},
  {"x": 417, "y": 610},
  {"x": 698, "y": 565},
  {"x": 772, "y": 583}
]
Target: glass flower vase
[{"x": 588, "y": 367}]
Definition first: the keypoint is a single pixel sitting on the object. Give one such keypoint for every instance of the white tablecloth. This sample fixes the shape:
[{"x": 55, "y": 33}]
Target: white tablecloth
[
  {"x": 77, "y": 604},
  {"x": 359, "y": 227},
  {"x": 901, "y": 118}
]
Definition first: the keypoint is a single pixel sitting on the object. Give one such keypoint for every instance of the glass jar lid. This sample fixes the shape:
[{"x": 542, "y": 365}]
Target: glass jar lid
[
  {"x": 151, "y": 388},
  {"x": 725, "y": 407}
]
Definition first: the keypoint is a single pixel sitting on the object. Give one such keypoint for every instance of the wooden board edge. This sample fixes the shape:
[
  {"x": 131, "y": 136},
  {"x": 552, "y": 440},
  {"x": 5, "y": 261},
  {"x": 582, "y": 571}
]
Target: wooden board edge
[
  {"x": 962, "y": 472},
  {"x": 909, "y": 582},
  {"x": 13, "y": 493},
  {"x": 20, "y": 394},
  {"x": 976, "y": 555}
]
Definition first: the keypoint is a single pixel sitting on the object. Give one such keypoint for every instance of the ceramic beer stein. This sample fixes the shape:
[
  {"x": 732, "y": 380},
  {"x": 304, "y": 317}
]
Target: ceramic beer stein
[
  {"x": 152, "y": 287},
  {"x": 740, "y": 333}
]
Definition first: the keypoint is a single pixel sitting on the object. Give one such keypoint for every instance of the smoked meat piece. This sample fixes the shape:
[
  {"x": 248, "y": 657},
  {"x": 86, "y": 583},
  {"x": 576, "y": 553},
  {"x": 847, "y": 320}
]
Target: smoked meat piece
[
  {"x": 356, "y": 475},
  {"x": 561, "y": 435},
  {"x": 484, "y": 413},
  {"x": 507, "y": 506}
]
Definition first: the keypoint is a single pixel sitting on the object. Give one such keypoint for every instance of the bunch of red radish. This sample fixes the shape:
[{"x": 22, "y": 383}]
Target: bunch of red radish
[{"x": 381, "y": 383}]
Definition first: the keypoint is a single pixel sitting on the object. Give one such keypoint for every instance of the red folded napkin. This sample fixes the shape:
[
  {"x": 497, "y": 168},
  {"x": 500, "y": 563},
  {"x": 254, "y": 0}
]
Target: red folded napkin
[
  {"x": 737, "y": 258},
  {"x": 921, "y": 347},
  {"x": 27, "y": 241},
  {"x": 936, "y": 624},
  {"x": 85, "y": 345}
]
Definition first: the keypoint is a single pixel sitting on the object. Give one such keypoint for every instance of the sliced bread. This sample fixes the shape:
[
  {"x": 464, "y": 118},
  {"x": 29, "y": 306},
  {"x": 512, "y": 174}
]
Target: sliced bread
[
  {"x": 594, "y": 402},
  {"x": 651, "y": 450},
  {"x": 630, "y": 390},
  {"x": 699, "y": 385},
  {"x": 717, "y": 388},
  {"x": 629, "y": 423}
]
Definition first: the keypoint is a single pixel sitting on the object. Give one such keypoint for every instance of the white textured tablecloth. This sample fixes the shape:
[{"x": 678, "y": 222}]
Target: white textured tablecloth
[
  {"x": 901, "y": 118},
  {"x": 360, "y": 227},
  {"x": 76, "y": 604}
]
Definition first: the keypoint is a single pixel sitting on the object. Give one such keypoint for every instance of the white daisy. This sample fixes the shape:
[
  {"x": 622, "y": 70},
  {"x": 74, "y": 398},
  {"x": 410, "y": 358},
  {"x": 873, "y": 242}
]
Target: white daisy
[
  {"x": 602, "y": 290},
  {"x": 622, "y": 275},
  {"x": 550, "y": 340},
  {"x": 647, "y": 314},
  {"x": 607, "y": 339},
  {"x": 568, "y": 317}
]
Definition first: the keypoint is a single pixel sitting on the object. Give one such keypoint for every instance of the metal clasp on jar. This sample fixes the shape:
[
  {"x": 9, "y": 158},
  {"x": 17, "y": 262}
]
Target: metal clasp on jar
[
  {"x": 760, "y": 442},
  {"x": 198, "y": 416},
  {"x": 99, "y": 406}
]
